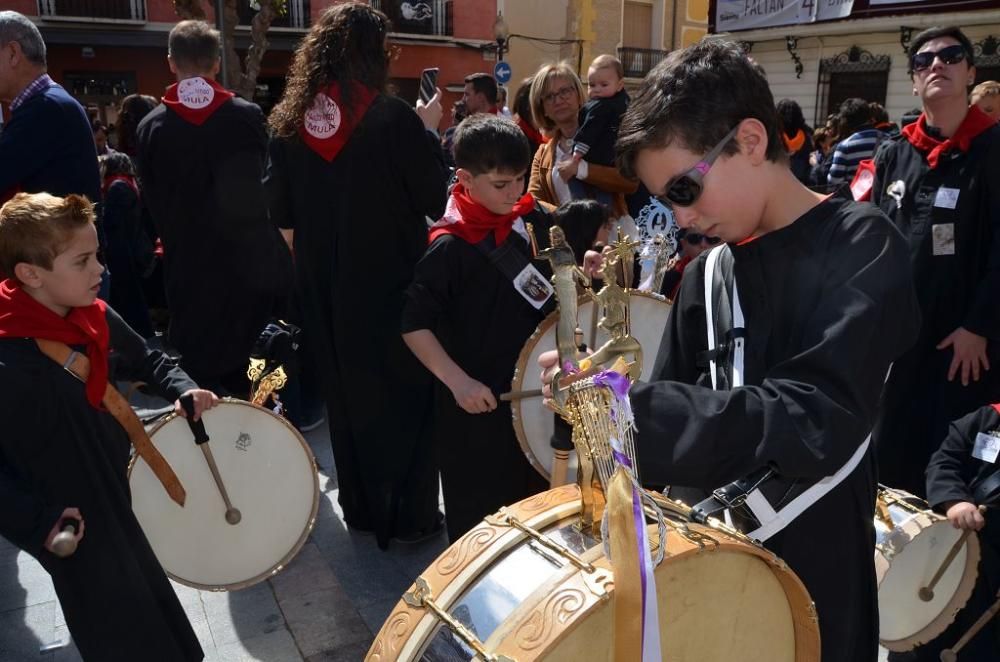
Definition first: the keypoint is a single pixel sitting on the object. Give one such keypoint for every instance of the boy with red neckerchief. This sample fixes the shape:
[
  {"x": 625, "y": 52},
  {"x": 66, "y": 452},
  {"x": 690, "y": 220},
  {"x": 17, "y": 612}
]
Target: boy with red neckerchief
[
  {"x": 200, "y": 159},
  {"x": 476, "y": 297},
  {"x": 937, "y": 183},
  {"x": 65, "y": 447}
]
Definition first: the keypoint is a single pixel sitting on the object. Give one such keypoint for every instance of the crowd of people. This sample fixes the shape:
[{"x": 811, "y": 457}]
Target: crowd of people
[{"x": 856, "y": 349}]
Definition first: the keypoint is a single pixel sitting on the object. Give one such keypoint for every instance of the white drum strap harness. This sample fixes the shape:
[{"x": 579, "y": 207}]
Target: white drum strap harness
[{"x": 743, "y": 500}]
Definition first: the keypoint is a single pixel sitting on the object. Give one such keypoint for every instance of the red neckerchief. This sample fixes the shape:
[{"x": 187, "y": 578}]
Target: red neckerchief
[
  {"x": 975, "y": 122},
  {"x": 21, "y": 316},
  {"x": 466, "y": 218},
  {"x": 533, "y": 134},
  {"x": 108, "y": 181},
  {"x": 794, "y": 143},
  {"x": 195, "y": 99},
  {"x": 327, "y": 125},
  {"x": 996, "y": 407}
]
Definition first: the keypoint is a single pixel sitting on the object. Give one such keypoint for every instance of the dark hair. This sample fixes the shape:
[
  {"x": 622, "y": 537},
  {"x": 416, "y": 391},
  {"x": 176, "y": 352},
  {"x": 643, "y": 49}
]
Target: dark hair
[
  {"x": 696, "y": 96},
  {"x": 346, "y": 43},
  {"x": 194, "y": 46},
  {"x": 461, "y": 112},
  {"x": 790, "y": 115},
  {"x": 879, "y": 114},
  {"x": 933, "y": 33},
  {"x": 116, "y": 163},
  {"x": 522, "y": 101},
  {"x": 485, "y": 143},
  {"x": 484, "y": 84},
  {"x": 580, "y": 221},
  {"x": 853, "y": 116},
  {"x": 133, "y": 109},
  {"x": 97, "y": 125}
]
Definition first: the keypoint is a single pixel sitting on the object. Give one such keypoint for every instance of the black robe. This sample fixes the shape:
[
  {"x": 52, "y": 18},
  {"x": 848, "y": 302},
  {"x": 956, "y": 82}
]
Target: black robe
[
  {"x": 360, "y": 228},
  {"x": 829, "y": 303},
  {"x": 958, "y": 290},
  {"x": 482, "y": 322},
  {"x": 56, "y": 452},
  {"x": 225, "y": 263}
]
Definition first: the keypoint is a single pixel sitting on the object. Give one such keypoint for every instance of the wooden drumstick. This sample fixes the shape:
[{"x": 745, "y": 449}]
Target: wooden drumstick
[
  {"x": 560, "y": 465},
  {"x": 64, "y": 543},
  {"x": 233, "y": 515},
  {"x": 520, "y": 395},
  {"x": 951, "y": 654},
  {"x": 926, "y": 593}
]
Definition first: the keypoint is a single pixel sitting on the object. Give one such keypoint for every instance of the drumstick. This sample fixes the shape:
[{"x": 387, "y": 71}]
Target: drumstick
[
  {"x": 64, "y": 543},
  {"x": 951, "y": 654},
  {"x": 560, "y": 465},
  {"x": 233, "y": 515},
  {"x": 520, "y": 395},
  {"x": 926, "y": 593}
]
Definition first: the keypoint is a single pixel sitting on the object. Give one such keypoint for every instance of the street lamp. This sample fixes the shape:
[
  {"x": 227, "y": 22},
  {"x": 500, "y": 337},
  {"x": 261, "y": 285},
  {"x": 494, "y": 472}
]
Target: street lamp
[{"x": 501, "y": 32}]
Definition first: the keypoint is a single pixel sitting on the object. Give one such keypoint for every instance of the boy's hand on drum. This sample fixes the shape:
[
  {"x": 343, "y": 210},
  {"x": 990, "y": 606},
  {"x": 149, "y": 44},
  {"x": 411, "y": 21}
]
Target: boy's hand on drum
[
  {"x": 203, "y": 400},
  {"x": 549, "y": 363},
  {"x": 69, "y": 513},
  {"x": 472, "y": 396},
  {"x": 965, "y": 515}
]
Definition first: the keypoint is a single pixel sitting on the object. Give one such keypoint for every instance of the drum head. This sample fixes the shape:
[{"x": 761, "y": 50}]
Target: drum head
[
  {"x": 270, "y": 476},
  {"x": 533, "y": 423},
  {"x": 906, "y": 621}
]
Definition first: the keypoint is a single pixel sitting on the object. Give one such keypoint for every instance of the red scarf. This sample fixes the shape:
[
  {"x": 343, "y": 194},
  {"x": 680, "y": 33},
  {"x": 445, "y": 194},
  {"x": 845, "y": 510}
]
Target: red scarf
[
  {"x": 328, "y": 124},
  {"x": 533, "y": 134},
  {"x": 794, "y": 143},
  {"x": 466, "y": 218},
  {"x": 108, "y": 181},
  {"x": 975, "y": 122},
  {"x": 195, "y": 99},
  {"x": 21, "y": 316},
  {"x": 996, "y": 407}
]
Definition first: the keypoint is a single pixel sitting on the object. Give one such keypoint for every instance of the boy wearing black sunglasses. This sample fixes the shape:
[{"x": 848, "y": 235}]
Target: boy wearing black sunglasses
[
  {"x": 939, "y": 182},
  {"x": 811, "y": 299}
]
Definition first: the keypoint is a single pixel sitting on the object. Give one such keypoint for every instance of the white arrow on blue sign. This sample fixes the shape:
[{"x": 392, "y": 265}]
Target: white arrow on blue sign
[{"x": 502, "y": 72}]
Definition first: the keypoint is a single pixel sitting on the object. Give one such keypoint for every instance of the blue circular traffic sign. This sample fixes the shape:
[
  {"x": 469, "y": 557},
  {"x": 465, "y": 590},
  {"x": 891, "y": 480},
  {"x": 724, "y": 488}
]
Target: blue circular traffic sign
[{"x": 502, "y": 72}]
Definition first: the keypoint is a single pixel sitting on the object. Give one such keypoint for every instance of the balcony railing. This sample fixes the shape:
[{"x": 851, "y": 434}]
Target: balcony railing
[
  {"x": 638, "y": 61},
  {"x": 431, "y": 17},
  {"x": 297, "y": 15},
  {"x": 128, "y": 10}
]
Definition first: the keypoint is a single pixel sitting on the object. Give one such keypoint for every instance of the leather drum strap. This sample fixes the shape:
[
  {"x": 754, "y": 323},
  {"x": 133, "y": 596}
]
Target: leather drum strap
[{"x": 79, "y": 366}]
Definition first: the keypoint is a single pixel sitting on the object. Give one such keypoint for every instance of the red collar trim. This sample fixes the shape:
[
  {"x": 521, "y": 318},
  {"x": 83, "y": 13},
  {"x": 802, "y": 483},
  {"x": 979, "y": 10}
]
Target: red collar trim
[
  {"x": 330, "y": 121},
  {"x": 466, "y": 218},
  {"x": 975, "y": 123},
  {"x": 196, "y": 99},
  {"x": 996, "y": 407}
]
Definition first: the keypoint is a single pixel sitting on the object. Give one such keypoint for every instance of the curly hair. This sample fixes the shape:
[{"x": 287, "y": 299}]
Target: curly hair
[
  {"x": 133, "y": 108},
  {"x": 346, "y": 43}
]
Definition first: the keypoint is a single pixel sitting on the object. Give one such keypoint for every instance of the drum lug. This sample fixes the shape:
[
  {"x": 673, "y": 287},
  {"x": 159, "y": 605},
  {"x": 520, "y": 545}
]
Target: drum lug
[
  {"x": 422, "y": 598},
  {"x": 597, "y": 582},
  {"x": 503, "y": 518}
]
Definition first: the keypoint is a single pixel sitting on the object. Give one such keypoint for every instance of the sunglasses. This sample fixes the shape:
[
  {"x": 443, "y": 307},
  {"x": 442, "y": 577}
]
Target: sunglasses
[
  {"x": 950, "y": 55},
  {"x": 685, "y": 189},
  {"x": 694, "y": 239}
]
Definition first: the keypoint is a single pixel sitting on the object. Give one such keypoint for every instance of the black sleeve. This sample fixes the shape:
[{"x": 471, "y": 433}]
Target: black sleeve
[
  {"x": 432, "y": 291},
  {"x": 952, "y": 468},
  {"x": 279, "y": 200},
  {"x": 419, "y": 163},
  {"x": 983, "y": 317},
  {"x": 597, "y": 120},
  {"x": 676, "y": 359},
  {"x": 883, "y": 159},
  {"x": 812, "y": 410},
  {"x": 135, "y": 360}
]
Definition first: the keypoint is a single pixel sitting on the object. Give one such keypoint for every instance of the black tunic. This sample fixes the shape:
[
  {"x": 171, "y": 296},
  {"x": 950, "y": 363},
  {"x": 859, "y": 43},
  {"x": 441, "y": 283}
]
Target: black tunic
[
  {"x": 958, "y": 290},
  {"x": 57, "y": 452},
  {"x": 828, "y": 303},
  {"x": 952, "y": 474},
  {"x": 360, "y": 228},
  {"x": 482, "y": 322},
  {"x": 225, "y": 262}
]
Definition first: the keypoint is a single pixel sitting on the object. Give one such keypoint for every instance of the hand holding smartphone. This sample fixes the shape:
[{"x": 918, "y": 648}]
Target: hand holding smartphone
[{"x": 428, "y": 84}]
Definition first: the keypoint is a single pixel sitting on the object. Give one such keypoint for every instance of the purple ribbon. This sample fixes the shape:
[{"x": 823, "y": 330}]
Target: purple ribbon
[{"x": 618, "y": 383}]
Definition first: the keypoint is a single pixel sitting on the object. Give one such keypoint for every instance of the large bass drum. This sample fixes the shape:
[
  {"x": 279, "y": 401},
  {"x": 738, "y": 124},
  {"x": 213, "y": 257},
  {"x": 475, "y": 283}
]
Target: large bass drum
[
  {"x": 270, "y": 476},
  {"x": 720, "y": 598},
  {"x": 911, "y": 544},
  {"x": 533, "y": 423}
]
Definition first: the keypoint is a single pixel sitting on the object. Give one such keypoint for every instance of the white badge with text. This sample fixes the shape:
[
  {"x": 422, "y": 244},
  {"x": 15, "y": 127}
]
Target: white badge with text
[
  {"x": 533, "y": 286},
  {"x": 986, "y": 448},
  {"x": 943, "y": 238},
  {"x": 322, "y": 120},
  {"x": 946, "y": 198},
  {"x": 195, "y": 93}
]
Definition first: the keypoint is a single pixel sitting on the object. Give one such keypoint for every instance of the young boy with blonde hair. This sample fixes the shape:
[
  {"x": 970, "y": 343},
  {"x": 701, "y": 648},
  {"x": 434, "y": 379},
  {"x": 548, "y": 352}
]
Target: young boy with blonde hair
[
  {"x": 986, "y": 95},
  {"x": 64, "y": 450}
]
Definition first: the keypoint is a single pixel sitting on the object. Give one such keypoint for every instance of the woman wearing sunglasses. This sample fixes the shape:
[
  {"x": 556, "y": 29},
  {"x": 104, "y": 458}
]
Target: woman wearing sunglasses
[
  {"x": 556, "y": 96},
  {"x": 820, "y": 298},
  {"x": 940, "y": 184}
]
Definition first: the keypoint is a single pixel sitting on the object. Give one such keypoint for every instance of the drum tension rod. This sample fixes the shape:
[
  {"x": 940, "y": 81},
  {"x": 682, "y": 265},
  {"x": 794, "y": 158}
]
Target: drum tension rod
[
  {"x": 503, "y": 518},
  {"x": 421, "y": 597}
]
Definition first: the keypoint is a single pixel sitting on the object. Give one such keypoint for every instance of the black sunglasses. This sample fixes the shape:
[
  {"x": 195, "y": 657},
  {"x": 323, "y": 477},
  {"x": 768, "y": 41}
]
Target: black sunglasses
[
  {"x": 694, "y": 239},
  {"x": 950, "y": 55},
  {"x": 685, "y": 189}
]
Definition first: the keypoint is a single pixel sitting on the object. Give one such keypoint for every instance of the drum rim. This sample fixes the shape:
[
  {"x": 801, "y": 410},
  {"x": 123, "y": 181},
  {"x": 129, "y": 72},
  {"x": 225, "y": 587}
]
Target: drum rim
[
  {"x": 950, "y": 610},
  {"x": 299, "y": 544},
  {"x": 521, "y": 368}
]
